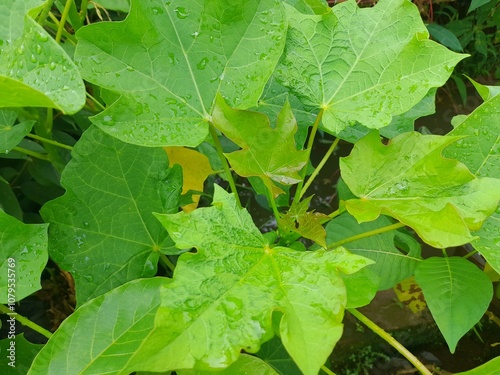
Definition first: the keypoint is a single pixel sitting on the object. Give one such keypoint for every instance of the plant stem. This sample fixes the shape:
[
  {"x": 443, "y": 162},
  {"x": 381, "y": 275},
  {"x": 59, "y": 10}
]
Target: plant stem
[
  {"x": 64, "y": 16},
  {"x": 274, "y": 207},
  {"x": 319, "y": 167},
  {"x": 83, "y": 10},
  {"x": 49, "y": 141},
  {"x": 470, "y": 253},
  {"x": 25, "y": 321},
  {"x": 225, "y": 164},
  {"x": 31, "y": 153},
  {"x": 366, "y": 234},
  {"x": 298, "y": 192},
  {"x": 95, "y": 101},
  {"x": 45, "y": 12},
  {"x": 327, "y": 370},
  {"x": 391, "y": 340},
  {"x": 167, "y": 262}
]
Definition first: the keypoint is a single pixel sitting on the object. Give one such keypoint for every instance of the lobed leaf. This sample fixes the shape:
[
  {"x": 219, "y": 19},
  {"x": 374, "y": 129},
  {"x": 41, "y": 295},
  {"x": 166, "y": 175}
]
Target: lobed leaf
[
  {"x": 409, "y": 180},
  {"x": 268, "y": 153},
  {"x": 457, "y": 293},
  {"x": 362, "y": 65},
  {"x": 168, "y": 60},
  {"x": 24, "y": 255},
  {"x": 222, "y": 297},
  {"x": 102, "y": 229},
  {"x": 34, "y": 70}
]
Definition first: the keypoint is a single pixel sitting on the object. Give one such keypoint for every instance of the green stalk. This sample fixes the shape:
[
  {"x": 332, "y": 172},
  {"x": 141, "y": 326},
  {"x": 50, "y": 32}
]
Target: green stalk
[
  {"x": 32, "y": 153},
  {"x": 391, "y": 340},
  {"x": 319, "y": 167},
  {"x": 167, "y": 262},
  {"x": 49, "y": 141},
  {"x": 83, "y": 10},
  {"x": 365, "y": 234},
  {"x": 327, "y": 370},
  {"x": 25, "y": 321},
  {"x": 273, "y": 206},
  {"x": 298, "y": 192},
  {"x": 69, "y": 37},
  {"x": 64, "y": 16},
  {"x": 95, "y": 101},
  {"x": 225, "y": 164},
  {"x": 45, "y": 12}
]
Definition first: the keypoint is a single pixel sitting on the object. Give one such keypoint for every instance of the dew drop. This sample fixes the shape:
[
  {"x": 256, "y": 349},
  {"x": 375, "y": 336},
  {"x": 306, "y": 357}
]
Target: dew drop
[
  {"x": 181, "y": 12},
  {"x": 129, "y": 68},
  {"x": 42, "y": 36},
  {"x": 39, "y": 49},
  {"x": 33, "y": 58},
  {"x": 89, "y": 278},
  {"x": 202, "y": 64},
  {"x": 52, "y": 65}
]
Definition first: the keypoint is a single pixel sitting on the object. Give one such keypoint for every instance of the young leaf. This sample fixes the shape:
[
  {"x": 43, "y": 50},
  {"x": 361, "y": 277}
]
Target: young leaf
[
  {"x": 391, "y": 265},
  {"x": 341, "y": 62},
  {"x": 169, "y": 59},
  {"x": 479, "y": 151},
  {"x": 106, "y": 334},
  {"x": 103, "y": 230},
  {"x": 268, "y": 153},
  {"x": 195, "y": 170},
  {"x": 24, "y": 255},
  {"x": 222, "y": 297},
  {"x": 34, "y": 70},
  {"x": 11, "y": 135},
  {"x": 307, "y": 224},
  {"x": 410, "y": 180},
  {"x": 457, "y": 293}
]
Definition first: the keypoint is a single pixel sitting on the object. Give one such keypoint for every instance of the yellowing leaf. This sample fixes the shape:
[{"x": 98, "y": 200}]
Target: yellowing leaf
[
  {"x": 195, "y": 170},
  {"x": 409, "y": 293}
]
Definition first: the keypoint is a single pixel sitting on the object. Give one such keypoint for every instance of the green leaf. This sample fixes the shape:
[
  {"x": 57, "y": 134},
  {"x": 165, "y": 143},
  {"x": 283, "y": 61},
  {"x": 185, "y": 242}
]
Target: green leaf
[
  {"x": 489, "y": 368},
  {"x": 457, "y": 294},
  {"x": 102, "y": 230},
  {"x": 34, "y": 70},
  {"x": 310, "y": 6},
  {"x": 479, "y": 151},
  {"x": 120, "y": 5},
  {"x": 246, "y": 364},
  {"x": 24, "y": 255},
  {"x": 222, "y": 297},
  {"x": 24, "y": 353},
  {"x": 204, "y": 49},
  {"x": 444, "y": 36},
  {"x": 476, "y": 4},
  {"x": 340, "y": 62},
  {"x": 486, "y": 92},
  {"x": 274, "y": 353},
  {"x": 410, "y": 180},
  {"x": 106, "y": 334},
  {"x": 361, "y": 287},
  {"x": 307, "y": 224},
  {"x": 11, "y": 135},
  {"x": 268, "y": 153},
  {"x": 390, "y": 263}
]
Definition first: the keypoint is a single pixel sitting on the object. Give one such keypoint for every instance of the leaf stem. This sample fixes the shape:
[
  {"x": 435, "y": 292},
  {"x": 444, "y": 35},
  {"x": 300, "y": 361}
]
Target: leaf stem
[
  {"x": 32, "y": 153},
  {"x": 64, "y": 16},
  {"x": 319, "y": 167},
  {"x": 470, "y": 253},
  {"x": 327, "y": 370},
  {"x": 391, "y": 340},
  {"x": 310, "y": 141},
  {"x": 167, "y": 262},
  {"x": 45, "y": 12},
  {"x": 370, "y": 233},
  {"x": 95, "y": 101},
  {"x": 49, "y": 141},
  {"x": 83, "y": 10},
  {"x": 225, "y": 164},
  {"x": 273, "y": 206},
  {"x": 25, "y": 321}
]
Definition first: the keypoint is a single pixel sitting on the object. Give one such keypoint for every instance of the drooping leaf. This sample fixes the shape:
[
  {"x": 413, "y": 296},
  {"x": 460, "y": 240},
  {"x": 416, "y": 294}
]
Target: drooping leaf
[
  {"x": 410, "y": 180},
  {"x": 222, "y": 297},
  {"x": 268, "y": 153},
  {"x": 195, "y": 170},
  {"x": 105, "y": 334},
  {"x": 10, "y": 134},
  {"x": 169, "y": 59},
  {"x": 24, "y": 353},
  {"x": 444, "y": 36},
  {"x": 34, "y": 70},
  {"x": 24, "y": 255},
  {"x": 340, "y": 62},
  {"x": 409, "y": 293},
  {"x": 480, "y": 152},
  {"x": 245, "y": 364},
  {"x": 457, "y": 293},
  {"x": 391, "y": 264},
  {"x": 307, "y": 224},
  {"x": 103, "y": 230}
]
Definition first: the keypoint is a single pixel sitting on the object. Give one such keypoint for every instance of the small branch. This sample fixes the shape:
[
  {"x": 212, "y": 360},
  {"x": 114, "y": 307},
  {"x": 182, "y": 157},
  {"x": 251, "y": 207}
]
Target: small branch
[
  {"x": 49, "y": 141},
  {"x": 32, "y": 153},
  {"x": 319, "y": 167},
  {"x": 365, "y": 234},
  {"x": 327, "y": 370},
  {"x": 225, "y": 164},
  {"x": 25, "y": 321},
  {"x": 64, "y": 16},
  {"x": 95, "y": 101},
  {"x": 391, "y": 340},
  {"x": 167, "y": 262},
  {"x": 45, "y": 12}
]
